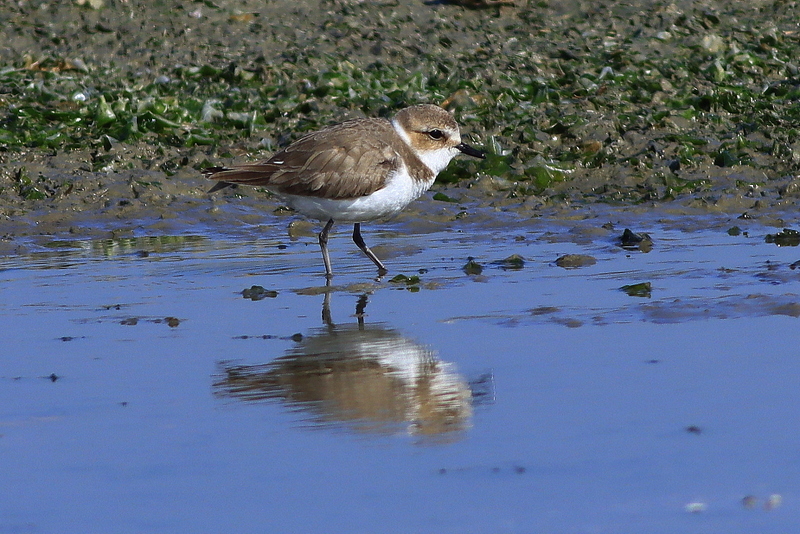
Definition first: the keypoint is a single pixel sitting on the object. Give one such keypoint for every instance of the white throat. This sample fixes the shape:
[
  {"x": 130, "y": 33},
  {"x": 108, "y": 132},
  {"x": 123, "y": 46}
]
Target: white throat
[{"x": 435, "y": 160}]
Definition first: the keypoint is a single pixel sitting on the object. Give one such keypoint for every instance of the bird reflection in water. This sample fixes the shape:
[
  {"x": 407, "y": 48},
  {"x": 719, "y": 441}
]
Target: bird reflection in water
[{"x": 369, "y": 378}]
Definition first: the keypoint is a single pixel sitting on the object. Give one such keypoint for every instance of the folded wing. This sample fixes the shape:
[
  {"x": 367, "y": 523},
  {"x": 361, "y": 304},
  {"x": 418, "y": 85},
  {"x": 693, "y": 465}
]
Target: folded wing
[{"x": 348, "y": 160}]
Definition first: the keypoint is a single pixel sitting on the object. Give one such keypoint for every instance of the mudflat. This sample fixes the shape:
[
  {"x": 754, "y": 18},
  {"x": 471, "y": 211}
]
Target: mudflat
[{"x": 110, "y": 108}]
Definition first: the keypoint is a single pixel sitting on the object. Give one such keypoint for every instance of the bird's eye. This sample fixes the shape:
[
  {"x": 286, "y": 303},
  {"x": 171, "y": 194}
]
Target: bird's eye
[{"x": 436, "y": 134}]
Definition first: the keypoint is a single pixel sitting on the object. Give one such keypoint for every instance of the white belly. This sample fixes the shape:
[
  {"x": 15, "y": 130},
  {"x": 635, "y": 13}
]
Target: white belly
[{"x": 396, "y": 195}]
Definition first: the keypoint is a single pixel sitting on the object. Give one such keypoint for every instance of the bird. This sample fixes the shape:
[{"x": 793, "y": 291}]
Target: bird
[{"x": 356, "y": 171}]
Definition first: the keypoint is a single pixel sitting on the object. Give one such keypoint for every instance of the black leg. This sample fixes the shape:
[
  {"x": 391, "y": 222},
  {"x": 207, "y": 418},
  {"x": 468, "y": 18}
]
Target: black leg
[
  {"x": 361, "y": 305},
  {"x": 359, "y": 241},
  {"x": 323, "y": 244},
  {"x": 326, "y": 305}
]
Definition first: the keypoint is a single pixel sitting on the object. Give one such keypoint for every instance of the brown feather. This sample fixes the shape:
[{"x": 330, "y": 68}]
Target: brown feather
[{"x": 347, "y": 160}]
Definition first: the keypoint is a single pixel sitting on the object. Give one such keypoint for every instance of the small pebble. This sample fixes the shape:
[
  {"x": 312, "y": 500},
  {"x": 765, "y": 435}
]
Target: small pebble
[
  {"x": 773, "y": 501},
  {"x": 514, "y": 262},
  {"x": 712, "y": 43},
  {"x": 472, "y": 267},
  {"x": 258, "y": 293},
  {"x": 630, "y": 240},
  {"x": 750, "y": 502},
  {"x": 696, "y": 507},
  {"x": 573, "y": 261}
]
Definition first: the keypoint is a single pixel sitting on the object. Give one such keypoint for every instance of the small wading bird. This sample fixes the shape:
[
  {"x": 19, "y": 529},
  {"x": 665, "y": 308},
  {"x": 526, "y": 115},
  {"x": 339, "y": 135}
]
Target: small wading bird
[{"x": 356, "y": 171}]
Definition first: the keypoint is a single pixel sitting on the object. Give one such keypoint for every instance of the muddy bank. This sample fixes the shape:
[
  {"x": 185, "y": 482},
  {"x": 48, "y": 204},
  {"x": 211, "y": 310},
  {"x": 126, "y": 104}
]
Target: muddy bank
[{"x": 682, "y": 107}]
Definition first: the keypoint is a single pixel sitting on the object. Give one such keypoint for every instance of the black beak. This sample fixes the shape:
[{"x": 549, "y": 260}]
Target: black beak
[{"x": 469, "y": 151}]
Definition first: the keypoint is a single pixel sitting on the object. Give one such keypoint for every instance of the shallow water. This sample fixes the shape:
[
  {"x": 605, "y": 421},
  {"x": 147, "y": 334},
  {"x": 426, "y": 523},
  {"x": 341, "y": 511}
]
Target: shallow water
[{"x": 141, "y": 392}]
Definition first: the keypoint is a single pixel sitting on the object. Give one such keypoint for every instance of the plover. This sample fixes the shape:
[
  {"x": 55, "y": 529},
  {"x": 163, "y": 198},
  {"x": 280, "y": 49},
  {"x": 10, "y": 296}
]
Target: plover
[{"x": 357, "y": 171}]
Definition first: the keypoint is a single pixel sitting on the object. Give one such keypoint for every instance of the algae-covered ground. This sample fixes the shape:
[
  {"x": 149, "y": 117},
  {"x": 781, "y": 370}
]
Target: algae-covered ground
[{"x": 108, "y": 110}]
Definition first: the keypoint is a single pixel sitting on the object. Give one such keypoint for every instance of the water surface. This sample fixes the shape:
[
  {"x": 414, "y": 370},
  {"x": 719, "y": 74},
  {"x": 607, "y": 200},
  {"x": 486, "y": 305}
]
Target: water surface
[{"x": 141, "y": 392}]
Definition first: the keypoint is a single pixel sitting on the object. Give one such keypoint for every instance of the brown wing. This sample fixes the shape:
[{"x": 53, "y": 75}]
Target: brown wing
[{"x": 348, "y": 160}]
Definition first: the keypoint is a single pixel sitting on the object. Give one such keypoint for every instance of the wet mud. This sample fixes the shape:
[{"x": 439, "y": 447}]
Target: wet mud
[{"x": 564, "y": 156}]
